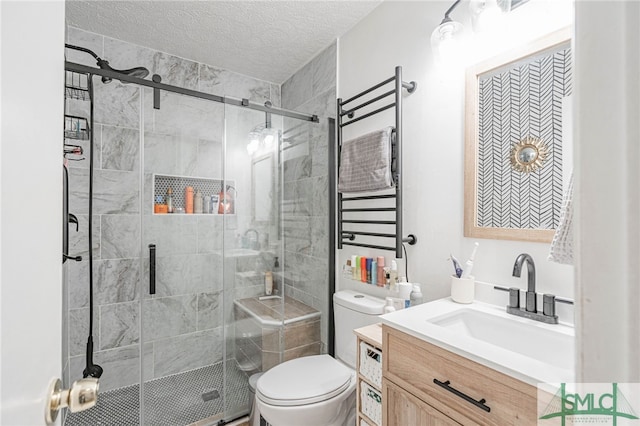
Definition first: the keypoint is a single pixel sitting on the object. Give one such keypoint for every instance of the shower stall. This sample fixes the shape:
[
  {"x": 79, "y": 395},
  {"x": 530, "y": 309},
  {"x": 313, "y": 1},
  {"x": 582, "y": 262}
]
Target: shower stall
[{"x": 191, "y": 213}]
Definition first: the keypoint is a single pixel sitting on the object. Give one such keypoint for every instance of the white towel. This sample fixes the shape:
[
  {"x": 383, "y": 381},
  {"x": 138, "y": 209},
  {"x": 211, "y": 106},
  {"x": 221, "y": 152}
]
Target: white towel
[
  {"x": 561, "y": 250},
  {"x": 366, "y": 162}
]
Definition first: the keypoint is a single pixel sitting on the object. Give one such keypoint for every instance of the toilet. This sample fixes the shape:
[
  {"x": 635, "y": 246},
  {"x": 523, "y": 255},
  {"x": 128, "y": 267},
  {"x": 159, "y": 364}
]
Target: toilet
[{"x": 319, "y": 390}]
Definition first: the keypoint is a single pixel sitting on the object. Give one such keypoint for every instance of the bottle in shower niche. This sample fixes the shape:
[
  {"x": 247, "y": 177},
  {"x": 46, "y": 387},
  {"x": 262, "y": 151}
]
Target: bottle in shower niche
[
  {"x": 206, "y": 204},
  {"x": 197, "y": 203},
  {"x": 188, "y": 200},
  {"x": 213, "y": 207},
  {"x": 169, "y": 200}
]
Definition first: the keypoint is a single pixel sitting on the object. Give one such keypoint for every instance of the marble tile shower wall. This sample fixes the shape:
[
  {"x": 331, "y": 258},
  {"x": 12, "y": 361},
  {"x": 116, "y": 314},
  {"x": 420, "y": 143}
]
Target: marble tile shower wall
[
  {"x": 306, "y": 215},
  {"x": 182, "y": 324}
]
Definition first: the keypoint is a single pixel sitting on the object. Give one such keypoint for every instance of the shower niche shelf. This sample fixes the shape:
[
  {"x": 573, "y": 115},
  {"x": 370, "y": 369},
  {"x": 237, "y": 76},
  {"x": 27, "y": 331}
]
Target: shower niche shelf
[
  {"x": 76, "y": 86},
  {"x": 207, "y": 186},
  {"x": 76, "y": 128}
]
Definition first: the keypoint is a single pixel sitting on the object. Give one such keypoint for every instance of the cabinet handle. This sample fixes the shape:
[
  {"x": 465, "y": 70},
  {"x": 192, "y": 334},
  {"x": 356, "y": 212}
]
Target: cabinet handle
[
  {"x": 447, "y": 386},
  {"x": 152, "y": 269}
]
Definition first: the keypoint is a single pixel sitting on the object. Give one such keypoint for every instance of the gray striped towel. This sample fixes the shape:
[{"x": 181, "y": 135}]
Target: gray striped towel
[{"x": 366, "y": 162}]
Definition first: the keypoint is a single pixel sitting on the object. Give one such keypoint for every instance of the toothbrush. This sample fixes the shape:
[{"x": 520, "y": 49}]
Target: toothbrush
[
  {"x": 456, "y": 266},
  {"x": 469, "y": 264}
]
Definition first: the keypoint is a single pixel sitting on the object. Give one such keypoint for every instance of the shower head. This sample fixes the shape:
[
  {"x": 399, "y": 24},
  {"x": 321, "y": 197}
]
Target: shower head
[{"x": 139, "y": 72}]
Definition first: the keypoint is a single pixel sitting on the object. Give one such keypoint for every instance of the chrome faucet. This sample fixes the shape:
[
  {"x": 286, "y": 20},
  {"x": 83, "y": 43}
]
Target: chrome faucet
[
  {"x": 531, "y": 296},
  {"x": 530, "y": 310},
  {"x": 252, "y": 244}
]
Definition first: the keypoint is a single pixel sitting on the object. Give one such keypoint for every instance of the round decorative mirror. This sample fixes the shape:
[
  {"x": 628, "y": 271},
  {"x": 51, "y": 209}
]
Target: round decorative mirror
[{"x": 529, "y": 154}]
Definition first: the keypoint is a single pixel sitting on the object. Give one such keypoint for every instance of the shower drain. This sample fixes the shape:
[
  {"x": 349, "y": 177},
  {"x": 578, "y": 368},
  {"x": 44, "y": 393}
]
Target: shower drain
[{"x": 210, "y": 395}]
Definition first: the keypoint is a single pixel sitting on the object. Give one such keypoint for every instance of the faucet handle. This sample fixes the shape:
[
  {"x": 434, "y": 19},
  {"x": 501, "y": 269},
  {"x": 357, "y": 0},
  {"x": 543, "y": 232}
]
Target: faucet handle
[
  {"x": 549, "y": 305},
  {"x": 514, "y": 297}
]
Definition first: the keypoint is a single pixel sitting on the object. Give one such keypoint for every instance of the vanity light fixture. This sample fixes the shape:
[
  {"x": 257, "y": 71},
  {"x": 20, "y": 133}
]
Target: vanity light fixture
[
  {"x": 445, "y": 39},
  {"x": 262, "y": 136}
]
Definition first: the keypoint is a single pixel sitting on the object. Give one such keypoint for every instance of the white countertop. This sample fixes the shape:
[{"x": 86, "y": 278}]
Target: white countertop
[{"x": 416, "y": 322}]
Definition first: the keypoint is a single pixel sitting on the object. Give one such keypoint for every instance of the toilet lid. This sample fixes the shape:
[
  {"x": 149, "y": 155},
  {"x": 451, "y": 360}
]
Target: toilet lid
[{"x": 304, "y": 381}]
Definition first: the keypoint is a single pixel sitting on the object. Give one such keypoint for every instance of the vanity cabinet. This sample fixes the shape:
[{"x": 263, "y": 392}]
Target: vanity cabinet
[
  {"x": 369, "y": 368},
  {"x": 438, "y": 387}
]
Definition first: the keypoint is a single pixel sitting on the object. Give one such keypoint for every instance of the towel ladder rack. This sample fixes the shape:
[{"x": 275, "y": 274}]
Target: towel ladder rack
[{"x": 346, "y": 116}]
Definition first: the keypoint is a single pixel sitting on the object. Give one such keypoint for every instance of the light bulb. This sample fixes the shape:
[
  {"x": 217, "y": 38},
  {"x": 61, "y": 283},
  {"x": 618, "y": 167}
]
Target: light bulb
[
  {"x": 253, "y": 146},
  {"x": 485, "y": 14},
  {"x": 445, "y": 41}
]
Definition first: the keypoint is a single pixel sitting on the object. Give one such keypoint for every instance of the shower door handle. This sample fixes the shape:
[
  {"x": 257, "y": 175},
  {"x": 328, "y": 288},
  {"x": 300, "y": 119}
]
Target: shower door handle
[{"x": 152, "y": 269}]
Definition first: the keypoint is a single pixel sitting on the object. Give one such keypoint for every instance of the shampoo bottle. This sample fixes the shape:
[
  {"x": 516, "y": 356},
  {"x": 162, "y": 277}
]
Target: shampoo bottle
[
  {"x": 206, "y": 205},
  {"x": 381, "y": 276},
  {"x": 188, "y": 200},
  {"x": 374, "y": 272},
  {"x": 197, "y": 203},
  {"x": 169, "y": 200},
  {"x": 268, "y": 283},
  {"x": 354, "y": 267},
  {"x": 393, "y": 276}
]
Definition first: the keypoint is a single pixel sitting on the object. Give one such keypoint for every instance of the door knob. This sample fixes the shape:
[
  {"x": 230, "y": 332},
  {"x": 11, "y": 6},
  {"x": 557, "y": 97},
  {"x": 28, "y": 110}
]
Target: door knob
[{"x": 82, "y": 395}]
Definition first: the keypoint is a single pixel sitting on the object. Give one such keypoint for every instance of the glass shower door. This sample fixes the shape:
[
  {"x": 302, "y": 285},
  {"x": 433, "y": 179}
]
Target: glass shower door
[
  {"x": 181, "y": 288},
  {"x": 253, "y": 308}
]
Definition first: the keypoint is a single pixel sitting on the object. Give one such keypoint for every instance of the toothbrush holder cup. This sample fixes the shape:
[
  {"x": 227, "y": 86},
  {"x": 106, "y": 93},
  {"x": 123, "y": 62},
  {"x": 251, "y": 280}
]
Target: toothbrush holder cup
[{"x": 462, "y": 289}]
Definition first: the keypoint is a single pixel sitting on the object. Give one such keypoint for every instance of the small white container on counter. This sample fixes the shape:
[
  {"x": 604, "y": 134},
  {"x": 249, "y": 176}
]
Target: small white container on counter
[{"x": 462, "y": 289}]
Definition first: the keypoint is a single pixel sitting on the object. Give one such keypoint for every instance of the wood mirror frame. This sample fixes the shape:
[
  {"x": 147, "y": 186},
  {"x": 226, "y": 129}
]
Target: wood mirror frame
[{"x": 558, "y": 41}]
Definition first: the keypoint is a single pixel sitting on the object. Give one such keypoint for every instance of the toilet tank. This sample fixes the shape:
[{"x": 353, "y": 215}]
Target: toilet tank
[{"x": 352, "y": 310}]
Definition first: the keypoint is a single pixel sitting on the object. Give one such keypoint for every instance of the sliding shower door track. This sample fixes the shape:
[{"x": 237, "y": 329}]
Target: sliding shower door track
[{"x": 72, "y": 66}]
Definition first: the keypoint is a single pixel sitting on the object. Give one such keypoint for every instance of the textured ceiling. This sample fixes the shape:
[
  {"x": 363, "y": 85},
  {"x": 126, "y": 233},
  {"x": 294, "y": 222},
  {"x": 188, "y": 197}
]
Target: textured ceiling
[{"x": 269, "y": 40}]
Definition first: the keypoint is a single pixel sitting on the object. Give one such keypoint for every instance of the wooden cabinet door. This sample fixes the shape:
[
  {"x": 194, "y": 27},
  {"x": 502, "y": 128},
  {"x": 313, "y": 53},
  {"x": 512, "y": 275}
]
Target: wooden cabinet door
[
  {"x": 400, "y": 408},
  {"x": 508, "y": 401}
]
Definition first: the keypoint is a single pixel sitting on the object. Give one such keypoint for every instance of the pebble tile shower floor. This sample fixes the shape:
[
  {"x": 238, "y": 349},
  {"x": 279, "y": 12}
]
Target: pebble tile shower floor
[{"x": 174, "y": 400}]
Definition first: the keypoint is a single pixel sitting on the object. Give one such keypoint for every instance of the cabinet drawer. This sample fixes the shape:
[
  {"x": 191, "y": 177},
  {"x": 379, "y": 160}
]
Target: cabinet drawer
[
  {"x": 454, "y": 384},
  {"x": 403, "y": 409}
]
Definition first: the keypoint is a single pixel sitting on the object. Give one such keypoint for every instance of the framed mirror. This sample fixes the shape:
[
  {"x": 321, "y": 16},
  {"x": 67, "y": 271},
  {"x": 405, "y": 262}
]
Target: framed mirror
[
  {"x": 262, "y": 188},
  {"x": 514, "y": 143}
]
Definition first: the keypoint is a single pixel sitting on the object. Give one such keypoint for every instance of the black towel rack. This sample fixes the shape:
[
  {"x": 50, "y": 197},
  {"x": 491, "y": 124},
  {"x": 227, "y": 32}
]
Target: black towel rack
[{"x": 347, "y": 115}]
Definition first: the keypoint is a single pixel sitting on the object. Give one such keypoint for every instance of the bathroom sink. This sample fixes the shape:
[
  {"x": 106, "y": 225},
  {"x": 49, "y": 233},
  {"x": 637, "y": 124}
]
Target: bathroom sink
[
  {"x": 528, "y": 350},
  {"x": 524, "y": 337}
]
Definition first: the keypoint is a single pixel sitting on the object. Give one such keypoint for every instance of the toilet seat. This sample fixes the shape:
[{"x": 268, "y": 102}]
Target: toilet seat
[{"x": 303, "y": 381}]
